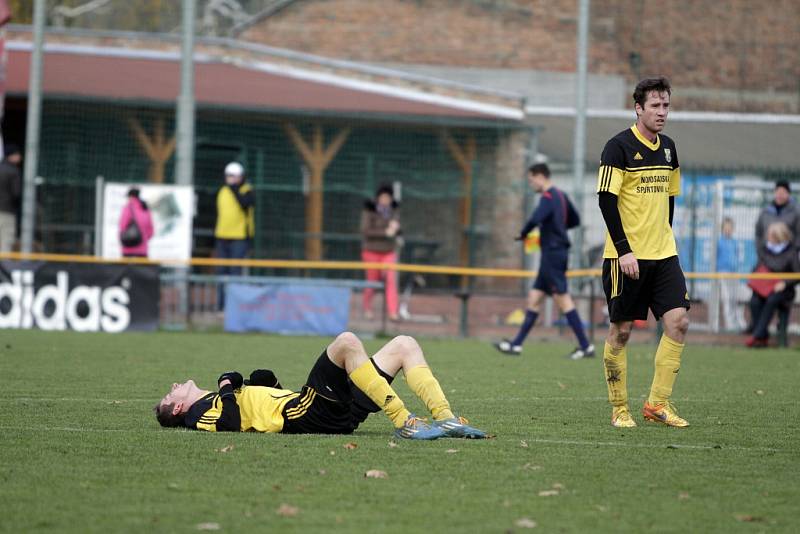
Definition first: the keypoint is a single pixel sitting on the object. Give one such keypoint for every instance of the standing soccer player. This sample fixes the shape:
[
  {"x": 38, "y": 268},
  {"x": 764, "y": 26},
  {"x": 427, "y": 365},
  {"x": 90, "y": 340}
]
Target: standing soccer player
[
  {"x": 554, "y": 215},
  {"x": 638, "y": 180}
]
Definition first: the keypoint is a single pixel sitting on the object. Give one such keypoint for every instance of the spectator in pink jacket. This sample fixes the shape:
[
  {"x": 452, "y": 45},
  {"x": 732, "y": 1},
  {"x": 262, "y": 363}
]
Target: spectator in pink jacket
[{"x": 136, "y": 212}]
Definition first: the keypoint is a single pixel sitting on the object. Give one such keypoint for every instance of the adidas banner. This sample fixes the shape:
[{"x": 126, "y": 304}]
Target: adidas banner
[{"x": 79, "y": 296}]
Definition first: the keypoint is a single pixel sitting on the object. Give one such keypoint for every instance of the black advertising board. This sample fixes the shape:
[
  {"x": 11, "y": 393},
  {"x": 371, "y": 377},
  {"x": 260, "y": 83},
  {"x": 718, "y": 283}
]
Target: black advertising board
[{"x": 85, "y": 297}]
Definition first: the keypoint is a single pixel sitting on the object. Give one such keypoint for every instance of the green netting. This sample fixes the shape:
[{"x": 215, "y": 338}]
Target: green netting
[{"x": 83, "y": 140}]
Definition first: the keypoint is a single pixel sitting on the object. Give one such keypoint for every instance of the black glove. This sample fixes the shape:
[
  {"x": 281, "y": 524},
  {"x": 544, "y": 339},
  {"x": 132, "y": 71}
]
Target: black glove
[
  {"x": 234, "y": 376},
  {"x": 264, "y": 377}
]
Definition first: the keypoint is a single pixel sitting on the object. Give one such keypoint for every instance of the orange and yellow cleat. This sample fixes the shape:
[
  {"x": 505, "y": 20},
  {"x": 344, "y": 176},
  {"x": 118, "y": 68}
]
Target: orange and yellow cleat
[{"x": 663, "y": 413}]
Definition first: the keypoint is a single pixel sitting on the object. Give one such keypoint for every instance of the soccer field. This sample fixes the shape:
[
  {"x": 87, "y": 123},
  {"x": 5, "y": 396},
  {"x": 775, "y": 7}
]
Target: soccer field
[{"x": 82, "y": 452}]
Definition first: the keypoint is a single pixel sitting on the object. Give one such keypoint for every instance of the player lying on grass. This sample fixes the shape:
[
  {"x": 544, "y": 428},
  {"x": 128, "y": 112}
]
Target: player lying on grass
[{"x": 343, "y": 388}]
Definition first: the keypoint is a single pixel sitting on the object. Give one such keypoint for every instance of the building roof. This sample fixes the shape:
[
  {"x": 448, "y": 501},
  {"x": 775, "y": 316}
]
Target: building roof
[
  {"x": 704, "y": 141},
  {"x": 138, "y": 74}
]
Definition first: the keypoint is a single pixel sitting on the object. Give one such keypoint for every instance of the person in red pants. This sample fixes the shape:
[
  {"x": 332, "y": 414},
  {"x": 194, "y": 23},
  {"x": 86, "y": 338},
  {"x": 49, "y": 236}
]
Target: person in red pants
[{"x": 381, "y": 231}]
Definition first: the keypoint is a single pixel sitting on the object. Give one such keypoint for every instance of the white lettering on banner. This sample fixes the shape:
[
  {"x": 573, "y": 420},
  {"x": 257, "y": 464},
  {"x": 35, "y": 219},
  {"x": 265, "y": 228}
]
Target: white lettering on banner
[{"x": 105, "y": 309}]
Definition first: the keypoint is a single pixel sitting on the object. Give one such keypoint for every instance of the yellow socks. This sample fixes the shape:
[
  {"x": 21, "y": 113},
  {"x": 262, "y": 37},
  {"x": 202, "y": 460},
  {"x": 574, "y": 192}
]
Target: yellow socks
[
  {"x": 668, "y": 362},
  {"x": 427, "y": 388},
  {"x": 368, "y": 380},
  {"x": 615, "y": 363}
]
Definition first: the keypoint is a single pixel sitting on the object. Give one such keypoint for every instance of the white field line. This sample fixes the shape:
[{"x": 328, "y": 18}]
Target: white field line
[
  {"x": 579, "y": 443},
  {"x": 651, "y": 445}
]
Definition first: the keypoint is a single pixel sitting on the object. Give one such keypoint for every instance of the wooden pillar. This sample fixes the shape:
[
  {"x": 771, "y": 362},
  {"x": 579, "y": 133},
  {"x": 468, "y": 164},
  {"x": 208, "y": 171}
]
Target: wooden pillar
[
  {"x": 158, "y": 149},
  {"x": 464, "y": 157},
  {"x": 317, "y": 157}
]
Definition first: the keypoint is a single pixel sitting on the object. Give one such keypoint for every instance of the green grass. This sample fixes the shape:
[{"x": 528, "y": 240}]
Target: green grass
[{"x": 81, "y": 452}]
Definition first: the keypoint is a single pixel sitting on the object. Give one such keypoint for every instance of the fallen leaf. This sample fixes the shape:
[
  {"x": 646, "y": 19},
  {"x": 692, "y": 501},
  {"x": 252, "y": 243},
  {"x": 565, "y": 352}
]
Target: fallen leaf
[
  {"x": 207, "y": 526},
  {"x": 601, "y": 508},
  {"x": 173, "y": 486},
  {"x": 506, "y": 503},
  {"x": 748, "y": 518},
  {"x": 392, "y": 445},
  {"x": 525, "y": 522},
  {"x": 513, "y": 381},
  {"x": 562, "y": 386},
  {"x": 333, "y": 453},
  {"x": 682, "y": 496},
  {"x": 759, "y": 392},
  {"x": 323, "y": 472},
  {"x": 523, "y": 444},
  {"x": 227, "y": 448},
  {"x": 287, "y": 510},
  {"x": 548, "y": 493},
  {"x": 115, "y": 402},
  {"x": 558, "y": 486},
  {"x": 339, "y": 520},
  {"x": 375, "y": 473},
  {"x": 276, "y": 487},
  {"x": 350, "y": 446},
  {"x": 451, "y": 451},
  {"x": 531, "y": 467}
]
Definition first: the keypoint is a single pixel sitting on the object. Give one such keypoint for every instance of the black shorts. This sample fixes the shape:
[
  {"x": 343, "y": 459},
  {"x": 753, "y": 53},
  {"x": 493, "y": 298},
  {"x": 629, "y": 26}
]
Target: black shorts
[
  {"x": 552, "y": 276},
  {"x": 661, "y": 287},
  {"x": 329, "y": 402}
]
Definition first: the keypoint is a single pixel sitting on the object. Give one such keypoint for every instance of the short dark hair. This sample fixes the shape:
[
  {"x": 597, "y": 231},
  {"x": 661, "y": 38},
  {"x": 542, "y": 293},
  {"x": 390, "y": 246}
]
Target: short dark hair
[
  {"x": 540, "y": 168},
  {"x": 165, "y": 417},
  {"x": 660, "y": 84},
  {"x": 384, "y": 189},
  {"x": 11, "y": 149},
  {"x": 784, "y": 184}
]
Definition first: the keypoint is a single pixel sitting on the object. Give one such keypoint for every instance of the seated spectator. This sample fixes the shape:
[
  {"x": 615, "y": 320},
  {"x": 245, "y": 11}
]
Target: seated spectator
[{"x": 780, "y": 256}]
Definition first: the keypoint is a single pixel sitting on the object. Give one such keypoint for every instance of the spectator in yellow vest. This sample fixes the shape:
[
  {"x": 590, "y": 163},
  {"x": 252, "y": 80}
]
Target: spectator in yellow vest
[{"x": 235, "y": 223}]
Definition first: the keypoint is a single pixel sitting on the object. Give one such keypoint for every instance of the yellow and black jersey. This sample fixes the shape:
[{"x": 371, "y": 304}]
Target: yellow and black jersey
[
  {"x": 643, "y": 175},
  {"x": 233, "y": 220},
  {"x": 260, "y": 409}
]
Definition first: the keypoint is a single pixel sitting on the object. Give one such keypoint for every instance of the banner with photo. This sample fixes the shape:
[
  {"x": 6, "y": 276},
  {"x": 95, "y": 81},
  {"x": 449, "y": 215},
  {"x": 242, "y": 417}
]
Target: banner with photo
[
  {"x": 287, "y": 309},
  {"x": 172, "y": 210},
  {"x": 79, "y": 296}
]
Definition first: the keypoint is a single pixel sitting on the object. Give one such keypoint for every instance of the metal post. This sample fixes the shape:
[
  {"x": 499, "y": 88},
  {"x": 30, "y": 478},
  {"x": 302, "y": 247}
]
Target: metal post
[
  {"x": 528, "y": 200},
  {"x": 184, "y": 165},
  {"x": 185, "y": 122},
  {"x": 33, "y": 124},
  {"x": 714, "y": 301},
  {"x": 99, "y": 185},
  {"x": 579, "y": 141}
]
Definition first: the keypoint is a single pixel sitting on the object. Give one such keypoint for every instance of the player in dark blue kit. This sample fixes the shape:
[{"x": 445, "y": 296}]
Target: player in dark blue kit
[{"x": 554, "y": 215}]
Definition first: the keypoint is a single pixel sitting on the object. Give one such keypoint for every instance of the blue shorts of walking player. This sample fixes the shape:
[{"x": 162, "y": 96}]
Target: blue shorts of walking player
[{"x": 552, "y": 276}]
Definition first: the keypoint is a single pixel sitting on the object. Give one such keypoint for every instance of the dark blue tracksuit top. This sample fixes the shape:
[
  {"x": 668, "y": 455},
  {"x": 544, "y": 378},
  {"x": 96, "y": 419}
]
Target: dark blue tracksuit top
[{"x": 554, "y": 215}]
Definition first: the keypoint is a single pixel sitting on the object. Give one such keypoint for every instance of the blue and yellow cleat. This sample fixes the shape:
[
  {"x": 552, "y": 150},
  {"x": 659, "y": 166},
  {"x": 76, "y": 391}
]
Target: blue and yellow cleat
[
  {"x": 458, "y": 427},
  {"x": 417, "y": 428}
]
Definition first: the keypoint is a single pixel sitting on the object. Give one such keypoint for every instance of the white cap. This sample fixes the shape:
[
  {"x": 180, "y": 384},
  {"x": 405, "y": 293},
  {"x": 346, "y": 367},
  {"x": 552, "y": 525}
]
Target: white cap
[{"x": 234, "y": 169}]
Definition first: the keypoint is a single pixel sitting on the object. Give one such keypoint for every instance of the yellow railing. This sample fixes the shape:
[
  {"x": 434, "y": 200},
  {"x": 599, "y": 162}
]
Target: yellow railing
[{"x": 359, "y": 265}]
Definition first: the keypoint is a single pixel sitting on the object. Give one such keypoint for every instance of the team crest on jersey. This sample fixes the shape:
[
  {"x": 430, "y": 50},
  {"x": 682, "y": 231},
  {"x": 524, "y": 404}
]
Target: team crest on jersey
[{"x": 668, "y": 155}]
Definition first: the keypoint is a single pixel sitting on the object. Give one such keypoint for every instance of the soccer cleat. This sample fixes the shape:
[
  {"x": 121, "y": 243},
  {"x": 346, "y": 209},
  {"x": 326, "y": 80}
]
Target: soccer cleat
[
  {"x": 416, "y": 428},
  {"x": 506, "y": 347},
  {"x": 579, "y": 353},
  {"x": 621, "y": 417},
  {"x": 663, "y": 413},
  {"x": 458, "y": 427},
  {"x": 755, "y": 343}
]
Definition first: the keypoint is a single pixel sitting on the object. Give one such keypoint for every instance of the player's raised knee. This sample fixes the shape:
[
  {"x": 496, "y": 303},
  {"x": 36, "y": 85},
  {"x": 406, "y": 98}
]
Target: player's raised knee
[
  {"x": 406, "y": 343},
  {"x": 347, "y": 341}
]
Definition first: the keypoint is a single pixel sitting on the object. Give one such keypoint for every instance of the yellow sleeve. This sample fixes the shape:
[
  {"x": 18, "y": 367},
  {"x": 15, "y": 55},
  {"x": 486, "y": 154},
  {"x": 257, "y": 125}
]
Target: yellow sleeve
[
  {"x": 675, "y": 182},
  {"x": 609, "y": 179}
]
